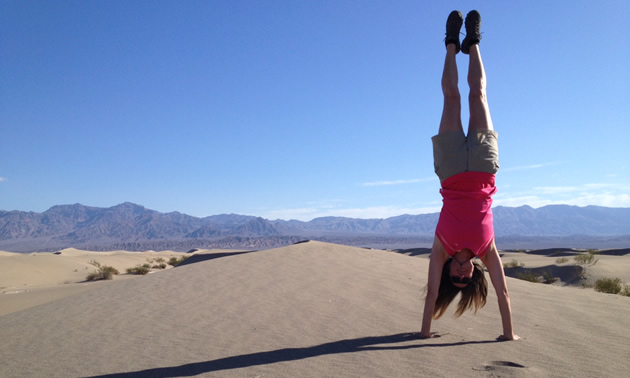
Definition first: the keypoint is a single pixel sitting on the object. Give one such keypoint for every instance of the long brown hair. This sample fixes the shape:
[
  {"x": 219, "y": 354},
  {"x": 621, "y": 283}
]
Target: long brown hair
[{"x": 473, "y": 295}]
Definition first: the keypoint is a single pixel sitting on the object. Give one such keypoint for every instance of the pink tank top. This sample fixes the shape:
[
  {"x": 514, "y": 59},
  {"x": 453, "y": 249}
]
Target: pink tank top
[{"x": 466, "y": 217}]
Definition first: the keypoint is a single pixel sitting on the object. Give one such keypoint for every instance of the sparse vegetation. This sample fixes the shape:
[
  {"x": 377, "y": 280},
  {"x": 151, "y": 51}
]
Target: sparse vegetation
[
  {"x": 155, "y": 260},
  {"x": 158, "y": 263},
  {"x": 625, "y": 291},
  {"x": 513, "y": 264},
  {"x": 528, "y": 276},
  {"x": 139, "y": 269},
  {"x": 587, "y": 258},
  {"x": 103, "y": 272},
  {"x": 548, "y": 278},
  {"x": 608, "y": 285},
  {"x": 561, "y": 260},
  {"x": 174, "y": 261}
]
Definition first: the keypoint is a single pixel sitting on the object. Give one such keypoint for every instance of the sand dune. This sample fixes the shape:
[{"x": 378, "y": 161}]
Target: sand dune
[
  {"x": 308, "y": 310},
  {"x": 43, "y": 277}
]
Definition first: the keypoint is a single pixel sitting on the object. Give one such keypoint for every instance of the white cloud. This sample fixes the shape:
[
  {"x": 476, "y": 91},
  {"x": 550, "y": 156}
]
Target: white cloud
[
  {"x": 601, "y": 199},
  {"x": 531, "y": 166},
  {"x": 598, "y": 186},
  {"x": 595, "y": 194},
  {"x": 382, "y": 211},
  {"x": 555, "y": 189},
  {"x": 373, "y": 212},
  {"x": 516, "y": 201}
]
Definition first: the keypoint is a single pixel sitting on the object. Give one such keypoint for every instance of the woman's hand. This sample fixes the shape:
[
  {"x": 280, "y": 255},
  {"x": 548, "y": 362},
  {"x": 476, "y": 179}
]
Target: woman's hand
[
  {"x": 423, "y": 336},
  {"x": 436, "y": 264},
  {"x": 492, "y": 261},
  {"x": 508, "y": 338}
]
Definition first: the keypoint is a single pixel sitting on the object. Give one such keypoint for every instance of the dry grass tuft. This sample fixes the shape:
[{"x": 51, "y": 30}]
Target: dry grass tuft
[
  {"x": 608, "y": 285},
  {"x": 103, "y": 272}
]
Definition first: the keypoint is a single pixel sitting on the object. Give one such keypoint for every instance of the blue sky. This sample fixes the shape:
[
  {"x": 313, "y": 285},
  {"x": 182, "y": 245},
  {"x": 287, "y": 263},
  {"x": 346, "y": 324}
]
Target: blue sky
[{"x": 300, "y": 109}]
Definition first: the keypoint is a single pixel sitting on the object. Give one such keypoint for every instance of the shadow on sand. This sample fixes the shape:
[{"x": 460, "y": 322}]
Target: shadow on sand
[
  {"x": 193, "y": 259},
  {"x": 291, "y": 354}
]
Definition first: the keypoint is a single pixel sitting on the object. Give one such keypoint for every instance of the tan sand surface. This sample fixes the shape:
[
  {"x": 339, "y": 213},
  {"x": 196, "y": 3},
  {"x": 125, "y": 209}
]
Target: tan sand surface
[
  {"x": 605, "y": 266},
  {"x": 27, "y": 280},
  {"x": 309, "y": 310}
]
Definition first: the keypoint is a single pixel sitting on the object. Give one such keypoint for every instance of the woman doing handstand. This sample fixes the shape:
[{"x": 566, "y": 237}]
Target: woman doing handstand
[{"x": 466, "y": 166}]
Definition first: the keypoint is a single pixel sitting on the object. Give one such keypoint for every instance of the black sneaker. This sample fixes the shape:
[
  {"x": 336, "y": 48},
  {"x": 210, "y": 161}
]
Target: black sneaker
[
  {"x": 453, "y": 25},
  {"x": 473, "y": 33}
]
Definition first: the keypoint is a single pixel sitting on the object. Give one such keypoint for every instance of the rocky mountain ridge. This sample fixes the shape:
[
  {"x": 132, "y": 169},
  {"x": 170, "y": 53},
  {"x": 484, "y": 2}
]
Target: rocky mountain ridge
[{"x": 133, "y": 227}]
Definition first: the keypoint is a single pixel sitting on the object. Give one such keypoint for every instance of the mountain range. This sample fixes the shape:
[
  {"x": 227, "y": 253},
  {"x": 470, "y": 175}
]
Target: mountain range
[{"x": 133, "y": 227}]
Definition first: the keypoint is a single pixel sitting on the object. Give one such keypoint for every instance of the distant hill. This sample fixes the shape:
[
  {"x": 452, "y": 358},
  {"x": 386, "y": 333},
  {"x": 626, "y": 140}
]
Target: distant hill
[{"x": 133, "y": 227}]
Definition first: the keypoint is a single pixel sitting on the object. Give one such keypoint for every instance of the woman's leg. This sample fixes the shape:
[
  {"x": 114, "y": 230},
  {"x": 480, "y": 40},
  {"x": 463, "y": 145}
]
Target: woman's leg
[
  {"x": 451, "y": 113},
  {"x": 479, "y": 111},
  {"x": 450, "y": 151},
  {"x": 483, "y": 149}
]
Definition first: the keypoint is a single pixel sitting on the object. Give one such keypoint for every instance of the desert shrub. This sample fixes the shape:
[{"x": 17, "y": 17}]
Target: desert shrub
[
  {"x": 587, "y": 258},
  {"x": 608, "y": 285},
  {"x": 159, "y": 260},
  {"x": 625, "y": 291},
  {"x": 139, "y": 269},
  {"x": 528, "y": 276},
  {"x": 174, "y": 261},
  {"x": 513, "y": 264},
  {"x": 561, "y": 260},
  {"x": 103, "y": 272},
  {"x": 159, "y": 266},
  {"x": 549, "y": 278}
]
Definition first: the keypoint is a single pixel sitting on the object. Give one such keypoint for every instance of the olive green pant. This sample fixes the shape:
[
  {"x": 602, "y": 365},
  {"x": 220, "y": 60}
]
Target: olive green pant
[{"x": 455, "y": 153}]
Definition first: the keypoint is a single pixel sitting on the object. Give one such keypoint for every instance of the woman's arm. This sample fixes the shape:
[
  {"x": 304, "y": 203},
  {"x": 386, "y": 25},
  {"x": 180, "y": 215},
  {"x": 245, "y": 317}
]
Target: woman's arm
[
  {"x": 492, "y": 261},
  {"x": 436, "y": 264}
]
